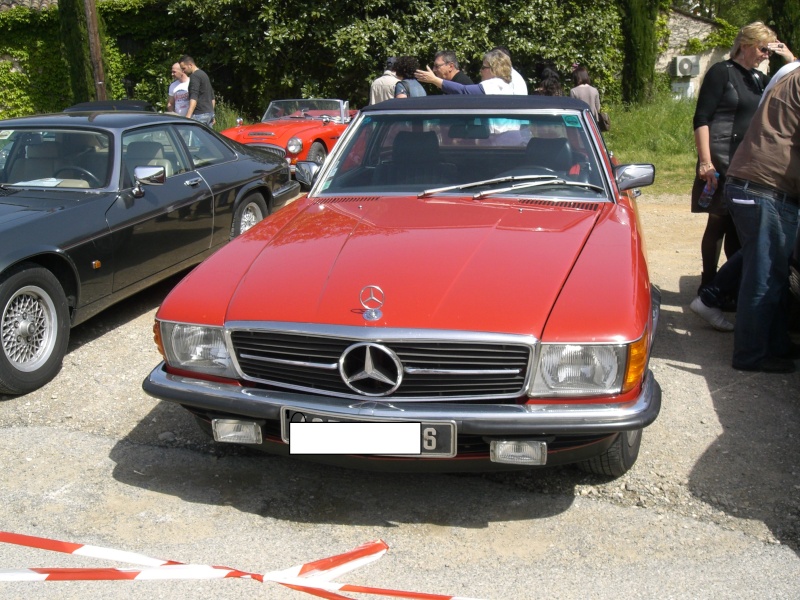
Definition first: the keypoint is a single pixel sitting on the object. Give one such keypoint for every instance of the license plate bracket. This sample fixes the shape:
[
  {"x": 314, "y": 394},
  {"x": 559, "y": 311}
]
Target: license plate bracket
[{"x": 437, "y": 438}]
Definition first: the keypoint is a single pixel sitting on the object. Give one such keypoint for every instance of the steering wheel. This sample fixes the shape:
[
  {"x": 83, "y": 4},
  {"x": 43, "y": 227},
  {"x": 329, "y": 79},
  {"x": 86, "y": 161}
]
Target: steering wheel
[{"x": 90, "y": 177}]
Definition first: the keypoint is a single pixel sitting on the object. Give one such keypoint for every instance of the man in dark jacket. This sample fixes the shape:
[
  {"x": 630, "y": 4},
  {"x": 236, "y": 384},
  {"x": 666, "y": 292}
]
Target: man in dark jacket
[{"x": 201, "y": 94}]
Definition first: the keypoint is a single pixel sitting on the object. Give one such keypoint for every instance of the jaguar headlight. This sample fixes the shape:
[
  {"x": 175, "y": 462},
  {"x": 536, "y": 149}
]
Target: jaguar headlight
[
  {"x": 580, "y": 370},
  {"x": 294, "y": 145},
  {"x": 197, "y": 348}
]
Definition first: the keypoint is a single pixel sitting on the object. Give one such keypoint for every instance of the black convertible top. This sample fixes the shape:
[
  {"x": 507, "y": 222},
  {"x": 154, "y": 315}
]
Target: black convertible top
[{"x": 480, "y": 102}]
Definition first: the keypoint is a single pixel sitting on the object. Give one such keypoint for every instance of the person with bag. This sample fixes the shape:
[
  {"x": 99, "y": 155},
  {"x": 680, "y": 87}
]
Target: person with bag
[
  {"x": 583, "y": 90},
  {"x": 727, "y": 101}
]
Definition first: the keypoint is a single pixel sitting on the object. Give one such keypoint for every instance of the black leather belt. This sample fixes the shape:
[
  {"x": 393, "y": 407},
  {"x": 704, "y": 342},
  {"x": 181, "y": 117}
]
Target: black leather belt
[{"x": 764, "y": 190}]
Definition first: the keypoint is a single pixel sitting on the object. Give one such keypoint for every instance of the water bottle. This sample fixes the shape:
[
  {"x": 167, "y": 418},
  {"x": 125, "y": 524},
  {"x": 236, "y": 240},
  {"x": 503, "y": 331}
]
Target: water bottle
[{"x": 708, "y": 192}]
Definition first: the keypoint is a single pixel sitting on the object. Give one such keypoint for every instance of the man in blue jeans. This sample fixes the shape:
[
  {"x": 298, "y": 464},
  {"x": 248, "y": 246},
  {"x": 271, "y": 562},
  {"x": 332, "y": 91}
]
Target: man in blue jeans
[{"x": 763, "y": 195}]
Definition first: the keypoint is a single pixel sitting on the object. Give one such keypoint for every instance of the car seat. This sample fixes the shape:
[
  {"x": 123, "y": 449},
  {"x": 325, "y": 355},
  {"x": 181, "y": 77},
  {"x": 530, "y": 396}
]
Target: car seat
[
  {"x": 144, "y": 154},
  {"x": 550, "y": 153},
  {"x": 41, "y": 161},
  {"x": 415, "y": 160}
]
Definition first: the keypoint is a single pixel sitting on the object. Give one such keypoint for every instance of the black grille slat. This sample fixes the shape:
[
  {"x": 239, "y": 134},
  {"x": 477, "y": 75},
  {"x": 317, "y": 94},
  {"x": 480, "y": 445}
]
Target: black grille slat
[{"x": 299, "y": 361}]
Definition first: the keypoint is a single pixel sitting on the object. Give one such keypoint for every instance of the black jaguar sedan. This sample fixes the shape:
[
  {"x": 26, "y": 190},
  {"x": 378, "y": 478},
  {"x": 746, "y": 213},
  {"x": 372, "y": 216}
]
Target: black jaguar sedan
[{"x": 96, "y": 206}]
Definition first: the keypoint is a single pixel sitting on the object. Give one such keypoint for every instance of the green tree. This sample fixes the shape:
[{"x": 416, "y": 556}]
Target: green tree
[
  {"x": 784, "y": 18},
  {"x": 257, "y": 50},
  {"x": 640, "y": 48}
]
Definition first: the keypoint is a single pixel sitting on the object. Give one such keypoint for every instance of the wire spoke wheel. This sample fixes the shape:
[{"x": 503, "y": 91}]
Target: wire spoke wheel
[
  {"x": 29, "y": 328},
  {"x": 34, "y": 328},
  {"x": 252, "y": 214}
]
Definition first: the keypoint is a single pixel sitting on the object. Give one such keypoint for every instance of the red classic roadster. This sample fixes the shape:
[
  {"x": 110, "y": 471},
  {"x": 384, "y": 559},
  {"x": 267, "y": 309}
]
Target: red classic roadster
[
  {"x": 469, "y": 267},
  {"x": 302, "y": 129}
]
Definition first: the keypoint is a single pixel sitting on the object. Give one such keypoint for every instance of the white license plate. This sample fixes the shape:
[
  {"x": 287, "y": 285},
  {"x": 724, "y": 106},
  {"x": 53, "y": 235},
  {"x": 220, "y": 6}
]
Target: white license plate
[{"x": 437, "y": 439}]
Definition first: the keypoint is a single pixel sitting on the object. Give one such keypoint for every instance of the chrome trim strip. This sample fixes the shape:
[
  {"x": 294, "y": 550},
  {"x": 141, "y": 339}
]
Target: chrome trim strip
[
  {"x": 382, "y": 334},
  {"x": 415, "y": 371},
  {"x": 293, "y": 363}
]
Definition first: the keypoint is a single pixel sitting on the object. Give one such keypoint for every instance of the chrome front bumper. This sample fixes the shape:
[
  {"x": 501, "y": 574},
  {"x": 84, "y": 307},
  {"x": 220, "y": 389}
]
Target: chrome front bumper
[{"x": 473, "y": 419}]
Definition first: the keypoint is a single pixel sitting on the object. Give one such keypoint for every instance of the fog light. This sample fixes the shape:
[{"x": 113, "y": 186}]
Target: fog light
[
  {"x": 236, "y": 432},
  {"x": 518, "y": 452}
]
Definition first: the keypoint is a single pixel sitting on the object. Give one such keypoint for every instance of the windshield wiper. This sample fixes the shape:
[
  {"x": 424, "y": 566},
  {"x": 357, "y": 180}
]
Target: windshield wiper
[
  {"x": 522, "y": 186},
  {"x": 464, "y": 186}
]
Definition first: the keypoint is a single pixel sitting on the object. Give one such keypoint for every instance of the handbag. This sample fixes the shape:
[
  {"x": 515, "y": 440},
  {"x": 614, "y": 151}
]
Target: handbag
[{"x": 604, "y": 121}]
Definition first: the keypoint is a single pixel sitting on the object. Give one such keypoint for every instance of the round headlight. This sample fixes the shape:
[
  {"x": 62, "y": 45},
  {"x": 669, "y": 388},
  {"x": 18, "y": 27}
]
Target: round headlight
[{"x": 295, "y": 145}]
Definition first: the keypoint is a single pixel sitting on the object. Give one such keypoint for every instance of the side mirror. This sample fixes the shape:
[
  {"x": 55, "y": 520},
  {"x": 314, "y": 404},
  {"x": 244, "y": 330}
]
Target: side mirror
[
  {"x": 147, "y": 176},
  {"x": 634, "y": 176},
  {"x": 239, "y": 121},
  {"x": 306, "y": 172}
]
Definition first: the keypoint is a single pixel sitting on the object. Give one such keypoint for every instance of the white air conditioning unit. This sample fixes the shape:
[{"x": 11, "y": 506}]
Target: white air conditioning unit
[{"x": 686, "y": 66}]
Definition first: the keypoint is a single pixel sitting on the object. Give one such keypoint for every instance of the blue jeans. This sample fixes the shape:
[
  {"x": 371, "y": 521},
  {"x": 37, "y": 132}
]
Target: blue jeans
[
  {"x": 206, "y": 118},
  {"x": 725, "y": 284},
  {"x": 767, "y": 228}
]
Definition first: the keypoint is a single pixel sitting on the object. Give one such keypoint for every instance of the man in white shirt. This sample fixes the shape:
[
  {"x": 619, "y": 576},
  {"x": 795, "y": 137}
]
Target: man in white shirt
[
  {"x": 383, "y": 87},
  {"x": 178, "y": 101}
]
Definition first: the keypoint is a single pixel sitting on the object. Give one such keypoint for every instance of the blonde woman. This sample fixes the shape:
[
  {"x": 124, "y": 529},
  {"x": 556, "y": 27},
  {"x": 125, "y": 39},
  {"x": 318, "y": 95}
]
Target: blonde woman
[
  {"x": 495, "y": 77},
  {"x": 726, "y": 103}
]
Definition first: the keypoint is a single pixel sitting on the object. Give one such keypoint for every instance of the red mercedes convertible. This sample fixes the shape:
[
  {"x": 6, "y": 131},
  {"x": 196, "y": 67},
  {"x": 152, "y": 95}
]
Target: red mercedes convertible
[{"x": 464, "y": 287}]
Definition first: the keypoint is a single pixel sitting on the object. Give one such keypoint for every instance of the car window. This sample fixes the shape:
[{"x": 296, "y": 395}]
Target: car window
[
  {"x": 151, "y": 146},
  {"x": 412, "y": 153},
  {"x": 204, "y": 147},
  {"x": 63, "y": 158}
]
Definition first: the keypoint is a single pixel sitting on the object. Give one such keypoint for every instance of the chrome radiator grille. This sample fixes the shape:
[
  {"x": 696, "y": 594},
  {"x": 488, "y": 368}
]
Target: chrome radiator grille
[
  {"x": 271, "y": 148},
  {"x": 432, "y": 369}
]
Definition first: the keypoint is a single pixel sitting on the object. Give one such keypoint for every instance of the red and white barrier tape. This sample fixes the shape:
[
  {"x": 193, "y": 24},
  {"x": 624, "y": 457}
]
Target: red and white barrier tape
[{"x": 314, "y": 578}]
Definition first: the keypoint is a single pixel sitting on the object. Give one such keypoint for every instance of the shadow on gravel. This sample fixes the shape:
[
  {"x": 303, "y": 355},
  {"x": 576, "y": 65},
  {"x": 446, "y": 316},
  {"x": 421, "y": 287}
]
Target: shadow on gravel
[
  {"x": 751, "y": 471},
  {"x": 304, "y": 492}
]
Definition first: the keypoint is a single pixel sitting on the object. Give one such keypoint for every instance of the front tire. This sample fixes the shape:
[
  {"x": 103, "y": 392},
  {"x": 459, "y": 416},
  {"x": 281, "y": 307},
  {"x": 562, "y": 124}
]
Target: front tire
[
  {"x": 251, "y": 211},
  {"x": 618, "y": 459},
  {"x": 34, "y": 328},
  {"x": 317, "y": 153}
]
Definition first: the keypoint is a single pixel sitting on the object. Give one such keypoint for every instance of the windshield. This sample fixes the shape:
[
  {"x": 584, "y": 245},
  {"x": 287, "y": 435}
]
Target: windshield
[
  {"x": 434, "y": 154},
  {"x": 304, "y": 109},
  {"x": 63, "y": 158}
]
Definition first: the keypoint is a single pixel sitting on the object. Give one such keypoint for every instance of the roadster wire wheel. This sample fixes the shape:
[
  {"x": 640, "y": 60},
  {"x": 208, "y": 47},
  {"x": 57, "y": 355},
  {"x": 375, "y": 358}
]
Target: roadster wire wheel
[
  {"x": 249, "y": 213},
  {"x": 34, "y": 329}
]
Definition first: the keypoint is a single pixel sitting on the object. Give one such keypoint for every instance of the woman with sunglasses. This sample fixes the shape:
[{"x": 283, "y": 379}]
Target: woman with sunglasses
[
  {"x": 495, "y": 77},
  {"x": 728, "y": 98}
]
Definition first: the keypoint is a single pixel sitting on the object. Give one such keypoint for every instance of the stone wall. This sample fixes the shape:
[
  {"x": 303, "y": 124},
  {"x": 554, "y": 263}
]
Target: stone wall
[{"x": 683, "y": 27}]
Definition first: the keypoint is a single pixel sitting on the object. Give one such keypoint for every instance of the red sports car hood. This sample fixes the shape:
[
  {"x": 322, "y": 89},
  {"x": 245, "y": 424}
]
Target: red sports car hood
[
  {"x": 277, "y": 131},
  {"x": 442, "y": 264}
]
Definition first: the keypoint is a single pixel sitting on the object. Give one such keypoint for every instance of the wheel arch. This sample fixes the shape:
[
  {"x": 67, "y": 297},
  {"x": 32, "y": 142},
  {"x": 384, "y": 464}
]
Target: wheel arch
[
  {"x": 62, "y": 269},
  {"x": 256, "y": 187}
]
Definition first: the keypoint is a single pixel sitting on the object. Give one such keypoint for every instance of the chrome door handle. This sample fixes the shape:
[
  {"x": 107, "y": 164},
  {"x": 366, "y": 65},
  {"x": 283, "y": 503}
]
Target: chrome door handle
[{"x": 192, "y": 182}]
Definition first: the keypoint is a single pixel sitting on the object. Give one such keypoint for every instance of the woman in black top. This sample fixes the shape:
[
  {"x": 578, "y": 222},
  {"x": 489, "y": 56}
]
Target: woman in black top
[{"x": 726, "y": 103}]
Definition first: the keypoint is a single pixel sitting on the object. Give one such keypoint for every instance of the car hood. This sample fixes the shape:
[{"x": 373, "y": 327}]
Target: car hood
[
  {"x": 276, "y": 132},
  {"x": 19, "y": 206},
  {"x": 442, "y": 264}
]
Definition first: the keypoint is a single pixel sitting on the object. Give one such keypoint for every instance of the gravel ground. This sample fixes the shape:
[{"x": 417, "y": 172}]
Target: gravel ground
[{"x": 711, "y": 509}]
